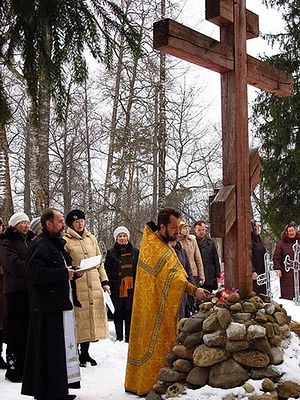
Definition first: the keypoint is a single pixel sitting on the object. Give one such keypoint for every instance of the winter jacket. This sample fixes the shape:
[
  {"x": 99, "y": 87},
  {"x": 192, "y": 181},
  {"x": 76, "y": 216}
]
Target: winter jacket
[
  {"x": 14, "y": 247},
  {"x": 285, "y": 248},
  {"x": 91, "y": 320},
  {"x": 258, "y": 262},
  {"x": 47, "y": 275},
  {"x": 210, "y": 260},
  {"x": 112, "y": 268},
  {"x": 189, "y": 244},
  {"x": 184, "y": 259}
]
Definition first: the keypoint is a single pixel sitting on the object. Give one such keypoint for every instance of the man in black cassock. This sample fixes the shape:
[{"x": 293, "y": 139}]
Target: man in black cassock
[{"x": 45, "y": 374}]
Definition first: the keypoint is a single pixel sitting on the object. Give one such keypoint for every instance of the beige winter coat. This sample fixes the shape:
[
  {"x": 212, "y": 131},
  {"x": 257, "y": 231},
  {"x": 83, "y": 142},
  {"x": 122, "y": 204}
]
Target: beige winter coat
[
  {"x": 91, "y": 319},
  {"x": 189, "y": 244}
]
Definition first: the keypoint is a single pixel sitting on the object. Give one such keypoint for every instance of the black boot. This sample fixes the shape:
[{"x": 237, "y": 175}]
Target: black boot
[
  {"x": 84, "y": 356},
  {"x": 12, "y": 374}
]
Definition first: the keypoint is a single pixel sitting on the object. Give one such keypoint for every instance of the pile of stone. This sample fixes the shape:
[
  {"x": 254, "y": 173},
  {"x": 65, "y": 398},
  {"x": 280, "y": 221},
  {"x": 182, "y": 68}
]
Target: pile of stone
[{"x": 228, "y": 341}]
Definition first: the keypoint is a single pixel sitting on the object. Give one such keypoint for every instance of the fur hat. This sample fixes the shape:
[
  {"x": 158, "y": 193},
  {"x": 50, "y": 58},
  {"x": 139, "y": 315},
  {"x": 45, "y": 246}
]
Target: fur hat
[
  {"x": 35, "y": 225},
  {"x": 121, "y": 229},
  {"x": 16, "y": 218},
  {"x": 74, "y": 215}
]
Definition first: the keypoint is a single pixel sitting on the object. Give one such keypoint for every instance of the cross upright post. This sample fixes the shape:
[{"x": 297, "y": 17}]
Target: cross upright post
[{"x": 231, "y": 207}]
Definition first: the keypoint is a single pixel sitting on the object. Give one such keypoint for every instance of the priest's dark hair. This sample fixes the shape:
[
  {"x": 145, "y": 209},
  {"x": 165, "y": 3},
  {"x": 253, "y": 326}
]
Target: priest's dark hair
[{"x": 164, "y": 215}]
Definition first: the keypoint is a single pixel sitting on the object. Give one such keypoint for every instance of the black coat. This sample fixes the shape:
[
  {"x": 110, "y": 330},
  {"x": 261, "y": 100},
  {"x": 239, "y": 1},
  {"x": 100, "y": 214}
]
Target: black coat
[
  {"x": 210, "y": 261},
  {"x": 14, "y": 246},
  {"x": 45, "y": 373},
  {"x": 258, "y": 262},
  {"x": 47, "y": 275},
  {"x": 112, "y": 268}
]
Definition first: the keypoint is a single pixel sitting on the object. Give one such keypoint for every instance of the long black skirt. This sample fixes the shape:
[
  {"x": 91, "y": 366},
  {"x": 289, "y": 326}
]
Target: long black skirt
[{"x": 45, "y": 372}]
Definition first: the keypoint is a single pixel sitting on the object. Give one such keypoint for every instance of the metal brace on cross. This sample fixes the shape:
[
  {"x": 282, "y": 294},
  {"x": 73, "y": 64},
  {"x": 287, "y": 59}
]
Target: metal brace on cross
[
  {"x": 231, "y": 207},
  {"x": 295, "y": 266}
]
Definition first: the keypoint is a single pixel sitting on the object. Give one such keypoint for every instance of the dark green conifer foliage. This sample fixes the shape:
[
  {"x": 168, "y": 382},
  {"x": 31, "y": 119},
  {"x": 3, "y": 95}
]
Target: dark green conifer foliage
[
  {"x": 47, "y": 35},
  {"x": 277, "y": 123}
]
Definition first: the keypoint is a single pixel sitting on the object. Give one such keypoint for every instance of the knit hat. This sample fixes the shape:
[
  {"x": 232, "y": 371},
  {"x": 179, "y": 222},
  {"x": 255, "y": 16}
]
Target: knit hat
[
  {"x": 121, "y": 229},
  {"x": 183, "y": 224},
  {"x": 74, "y": 215},
  {"x": 35, "y": 225},
  {"x": 16, "y": 218}
]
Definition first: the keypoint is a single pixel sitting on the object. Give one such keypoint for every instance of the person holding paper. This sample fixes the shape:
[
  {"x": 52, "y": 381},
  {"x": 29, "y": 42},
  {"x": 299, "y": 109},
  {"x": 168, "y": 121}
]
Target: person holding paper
[
  {"x": 51, "y": 363},
  {"x": 90, "y": 312},
  {"x": 120, "y": 264}
]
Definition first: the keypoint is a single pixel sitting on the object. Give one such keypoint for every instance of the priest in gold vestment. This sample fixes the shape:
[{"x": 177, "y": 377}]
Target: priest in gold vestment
[{"x": 160, "y": 284}]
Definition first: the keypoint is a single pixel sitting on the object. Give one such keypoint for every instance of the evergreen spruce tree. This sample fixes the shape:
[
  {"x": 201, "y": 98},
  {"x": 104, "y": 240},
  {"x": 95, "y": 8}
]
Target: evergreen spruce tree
[{"x": 277, "y": 123}]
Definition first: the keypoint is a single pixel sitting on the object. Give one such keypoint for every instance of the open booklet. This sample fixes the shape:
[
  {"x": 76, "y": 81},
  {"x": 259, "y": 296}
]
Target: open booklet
[{"x": 90, "y": 263}]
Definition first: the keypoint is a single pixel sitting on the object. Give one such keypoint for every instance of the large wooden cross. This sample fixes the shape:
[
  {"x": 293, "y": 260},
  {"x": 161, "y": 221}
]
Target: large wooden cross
[{"x": 231, "y": 207}]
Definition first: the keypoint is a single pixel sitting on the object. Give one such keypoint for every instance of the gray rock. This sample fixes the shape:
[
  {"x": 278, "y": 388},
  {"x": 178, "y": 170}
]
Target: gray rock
[
  {"x": 284, "y": 331},
  {"x": 182, "y": 366},
  {"x": 215, "y": 339},
  {"x": 269, "y": 308},
  {"x": 198, "y": 376},
  {"x": 193, "y": 324},
  {"x": 193, "y": 340},
  {"x": 280, "y": 318},
  {"x": 205, "y": 356},
  {"x": 267, "y": 372},
  {"x": 261, "y": 316},
  {"x": 267, "y": 384},
  {"x": 241, "y": 317},
  {"x": 160, "y": 387},
  {"x": 236, "y": 345},
  {"x": 223, "y": 316},
  {"x": 249, "y": 307},
  {"x": 269, "y": 329},
  {"x": 169, "y": 375},
  {"x": 256, "y": 331},
  {"x": 182, "y": 352},
  {"x": 171, "y": 357},
  {"x": 275, "y": 340},
  {"x": 261, "y": 344},
  {"x": 251, "y": 358},
  {"x": 227, "y": 374},
  {"x": 153, "y": 396},
  {"x": 236, "y": 307},
  {"x": 248, "y": 388},
  {"x": 211, "y": 324},
  {"x": 289, "y": 389},
  {"x": 181, "y": 337},
  {"x": 276, "y": 356},
  {"x": 236, "y": 331}
]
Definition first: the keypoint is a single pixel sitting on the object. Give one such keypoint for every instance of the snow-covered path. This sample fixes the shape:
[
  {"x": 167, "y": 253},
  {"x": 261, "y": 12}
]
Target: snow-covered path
[{"x": 106, "y": 380}]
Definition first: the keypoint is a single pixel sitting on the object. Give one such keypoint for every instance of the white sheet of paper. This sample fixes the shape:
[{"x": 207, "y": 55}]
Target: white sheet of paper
[
  {"x": 90, "y": 263},
  {"x": 108, "y": 301}
]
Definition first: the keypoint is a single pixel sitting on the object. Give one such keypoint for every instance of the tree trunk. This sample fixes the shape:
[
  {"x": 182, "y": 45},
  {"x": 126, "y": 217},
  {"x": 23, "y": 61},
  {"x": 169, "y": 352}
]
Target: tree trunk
[
  {"x": 27, "y": 185},
  {"x": 6, "y": 203}
]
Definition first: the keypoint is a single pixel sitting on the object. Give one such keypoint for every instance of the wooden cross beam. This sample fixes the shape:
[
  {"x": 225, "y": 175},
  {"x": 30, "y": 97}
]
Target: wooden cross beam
[{"x": 228, "y": 57}]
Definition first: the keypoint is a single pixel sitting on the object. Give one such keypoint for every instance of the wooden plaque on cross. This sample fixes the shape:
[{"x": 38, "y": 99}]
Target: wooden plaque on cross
[{"x": 231, "y": 207}]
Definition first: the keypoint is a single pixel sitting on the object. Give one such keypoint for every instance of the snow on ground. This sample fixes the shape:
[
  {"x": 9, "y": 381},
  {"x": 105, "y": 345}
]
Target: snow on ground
[{"x": 106, "y": 380}]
